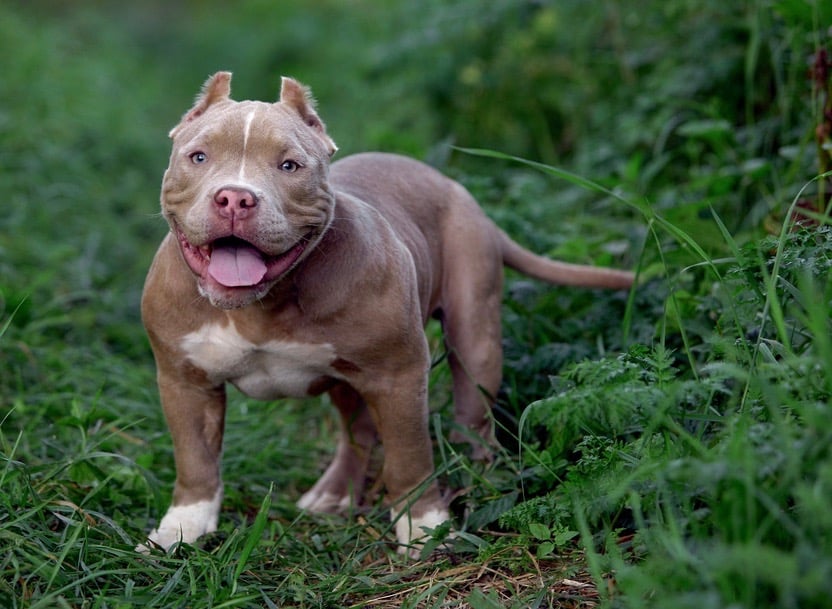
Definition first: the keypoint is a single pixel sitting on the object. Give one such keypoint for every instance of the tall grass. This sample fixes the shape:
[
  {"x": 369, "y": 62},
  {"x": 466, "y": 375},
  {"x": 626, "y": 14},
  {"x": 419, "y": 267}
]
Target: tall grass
[{"x": 694, "y": 467}]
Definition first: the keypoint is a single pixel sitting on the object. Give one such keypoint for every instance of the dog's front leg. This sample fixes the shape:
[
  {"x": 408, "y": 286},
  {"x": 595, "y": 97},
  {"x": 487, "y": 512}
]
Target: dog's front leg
[
  {"x": 400, "y": 411},
  {"x": 196, "y": 417}
]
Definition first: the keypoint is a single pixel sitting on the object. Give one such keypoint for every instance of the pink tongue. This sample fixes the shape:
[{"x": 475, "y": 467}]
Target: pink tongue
[{"x": 236, "y": 265}]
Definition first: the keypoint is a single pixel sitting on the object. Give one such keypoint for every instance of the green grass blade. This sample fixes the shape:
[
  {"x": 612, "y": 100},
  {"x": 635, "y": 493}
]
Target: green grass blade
[
  {"x": 569, "y": 176},
  {"x": 677, "y": 233},
  {"x": 11, "y": 318},
  {"x": 255, "y": 534},
  {"x": 772, "y": 307}
]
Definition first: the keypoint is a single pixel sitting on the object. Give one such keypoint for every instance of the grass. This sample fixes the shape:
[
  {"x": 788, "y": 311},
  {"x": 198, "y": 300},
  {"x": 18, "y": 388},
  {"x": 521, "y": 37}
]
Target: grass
[{"x": 668, "y": 447}]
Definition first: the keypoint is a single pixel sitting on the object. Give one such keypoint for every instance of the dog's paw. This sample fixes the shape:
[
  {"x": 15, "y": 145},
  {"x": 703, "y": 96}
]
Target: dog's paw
[
  {"x": 184, "y": 523},
  {"x": 413, "y": 531},
  {"x": 322, "y": 502}
]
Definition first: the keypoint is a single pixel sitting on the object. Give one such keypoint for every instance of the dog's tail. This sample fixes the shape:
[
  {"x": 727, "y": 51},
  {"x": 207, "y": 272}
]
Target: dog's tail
[{"x": 562, "y": 273}]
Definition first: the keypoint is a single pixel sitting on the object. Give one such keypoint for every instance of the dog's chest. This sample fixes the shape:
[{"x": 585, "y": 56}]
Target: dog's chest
[{"x": 267, "y": 370}]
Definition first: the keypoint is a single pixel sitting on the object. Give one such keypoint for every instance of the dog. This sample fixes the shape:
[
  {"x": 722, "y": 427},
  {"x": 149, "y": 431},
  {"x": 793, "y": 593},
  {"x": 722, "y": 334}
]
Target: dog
[{"x": 288, "y": 276}]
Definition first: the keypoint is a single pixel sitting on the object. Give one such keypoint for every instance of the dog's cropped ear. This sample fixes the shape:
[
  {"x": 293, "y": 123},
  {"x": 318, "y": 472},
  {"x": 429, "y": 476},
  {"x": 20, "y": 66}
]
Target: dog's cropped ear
[
  {"x": 216, "y": 88},
  {"x": 299, "y": 98}
]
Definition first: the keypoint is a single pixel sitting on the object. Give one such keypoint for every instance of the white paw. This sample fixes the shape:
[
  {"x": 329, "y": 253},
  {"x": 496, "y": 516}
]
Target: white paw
[
  {"x": 323, "y": 502},
  {"x": 410, "y": 530},
  {"x": 185, "y": 523}
]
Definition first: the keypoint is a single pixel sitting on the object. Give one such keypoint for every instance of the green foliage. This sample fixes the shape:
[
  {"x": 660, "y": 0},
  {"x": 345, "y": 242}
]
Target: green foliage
[{"x": 710, "y": 465}]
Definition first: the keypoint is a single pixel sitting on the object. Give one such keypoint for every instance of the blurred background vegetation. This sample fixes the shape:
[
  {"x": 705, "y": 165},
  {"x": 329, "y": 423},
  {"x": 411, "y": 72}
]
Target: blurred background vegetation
[{"x": 693, "y": 104}]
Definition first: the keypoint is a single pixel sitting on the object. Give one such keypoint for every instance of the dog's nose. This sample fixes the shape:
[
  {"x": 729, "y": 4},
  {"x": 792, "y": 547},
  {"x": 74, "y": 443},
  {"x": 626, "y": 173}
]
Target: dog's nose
[{"x": 234, "y": 201}]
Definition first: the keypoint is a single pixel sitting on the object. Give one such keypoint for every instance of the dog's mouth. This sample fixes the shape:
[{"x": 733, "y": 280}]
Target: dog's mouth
[{"x": 235, "y": 263}]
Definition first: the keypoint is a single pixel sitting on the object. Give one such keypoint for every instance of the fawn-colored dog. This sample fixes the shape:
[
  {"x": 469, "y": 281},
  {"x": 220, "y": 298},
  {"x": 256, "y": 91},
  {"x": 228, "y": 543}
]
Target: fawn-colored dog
[{"x": 286, "y": 276}]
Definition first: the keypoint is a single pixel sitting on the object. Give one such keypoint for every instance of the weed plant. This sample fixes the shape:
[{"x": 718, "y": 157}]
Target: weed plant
[{"x": 669, "y": 447}]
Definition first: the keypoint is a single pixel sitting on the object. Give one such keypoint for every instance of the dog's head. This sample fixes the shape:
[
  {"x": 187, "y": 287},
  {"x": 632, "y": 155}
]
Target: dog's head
[{"x": 246, "y": 192}]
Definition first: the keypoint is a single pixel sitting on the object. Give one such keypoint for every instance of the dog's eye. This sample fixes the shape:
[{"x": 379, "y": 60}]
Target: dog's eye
[
  {"x": 198, "y": 157},
  {"x": 289, "y": 166}
]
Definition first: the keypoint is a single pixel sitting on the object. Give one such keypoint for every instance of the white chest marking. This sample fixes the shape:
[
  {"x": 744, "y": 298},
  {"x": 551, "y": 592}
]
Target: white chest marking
[
  {"x": 269, "y": 370},
  {"x": 246, "y": 133}
]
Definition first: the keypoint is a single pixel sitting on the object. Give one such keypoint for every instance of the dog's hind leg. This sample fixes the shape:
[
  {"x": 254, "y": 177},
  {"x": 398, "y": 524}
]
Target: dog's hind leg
[
  {"x": 342, "y": 484},
  {"x": 473, "y": 336},
  {"x": 475, "y": 358}
]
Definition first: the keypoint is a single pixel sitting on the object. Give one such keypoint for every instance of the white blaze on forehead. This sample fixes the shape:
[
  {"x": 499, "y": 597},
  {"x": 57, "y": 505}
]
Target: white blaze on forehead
[{"x": 246, "y": 132}]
